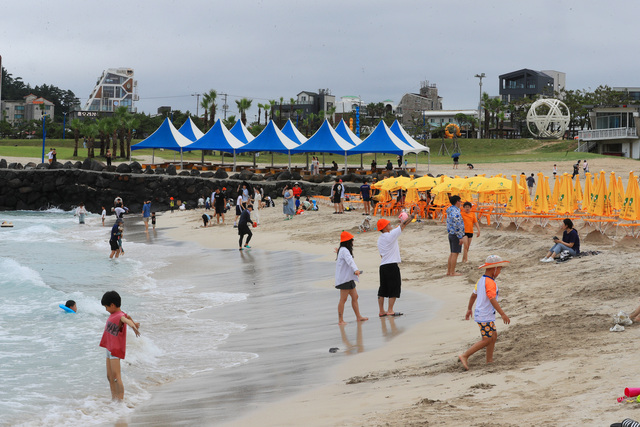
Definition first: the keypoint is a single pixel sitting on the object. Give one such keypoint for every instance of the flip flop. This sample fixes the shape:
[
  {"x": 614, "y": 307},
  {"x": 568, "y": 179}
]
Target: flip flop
[
  {"x": 396, "y": 314},
  {"x": 382, "y": 315}
]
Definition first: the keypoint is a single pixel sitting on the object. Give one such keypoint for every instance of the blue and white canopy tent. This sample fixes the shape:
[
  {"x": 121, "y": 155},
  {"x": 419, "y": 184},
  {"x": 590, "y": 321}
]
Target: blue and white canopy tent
[
  {"x": 270, "y": 139},
  {"x": 190, "y": 130},
  {"x": 326, "y": 140},
  {"x": 220, "y": 139},
  {"x": 382, "y": 140},
  {"x": 166, "y": 137},
  {"x": 343, "y": 130},
  {"x": 240, "y": 131},
  {"x": 294, "y": 134},
  {"x": 405, "y": 137}
]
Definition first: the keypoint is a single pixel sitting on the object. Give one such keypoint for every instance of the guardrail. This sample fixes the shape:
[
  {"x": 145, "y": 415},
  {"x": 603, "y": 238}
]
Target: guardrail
[{"x": 613, "y": 133}]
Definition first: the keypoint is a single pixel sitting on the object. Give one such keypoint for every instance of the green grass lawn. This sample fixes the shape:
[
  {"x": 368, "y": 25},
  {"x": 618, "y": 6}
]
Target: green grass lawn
[{"x": 472, "y": 151}]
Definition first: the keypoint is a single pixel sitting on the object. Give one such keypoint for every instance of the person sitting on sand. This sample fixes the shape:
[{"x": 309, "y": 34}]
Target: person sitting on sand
[
  {"x": 570, "y": 242},
  {"x": 347, "y": 274},
  {"x": 485, "y": 296}
]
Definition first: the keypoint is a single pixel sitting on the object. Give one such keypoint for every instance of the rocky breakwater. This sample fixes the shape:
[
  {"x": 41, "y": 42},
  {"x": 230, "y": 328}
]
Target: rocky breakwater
[{"x": 42, "y": 186}]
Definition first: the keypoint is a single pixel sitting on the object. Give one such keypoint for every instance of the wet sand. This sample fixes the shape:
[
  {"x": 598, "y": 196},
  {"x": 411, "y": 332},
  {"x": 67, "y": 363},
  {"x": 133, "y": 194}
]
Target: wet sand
[{"x": 555, "y": 364}]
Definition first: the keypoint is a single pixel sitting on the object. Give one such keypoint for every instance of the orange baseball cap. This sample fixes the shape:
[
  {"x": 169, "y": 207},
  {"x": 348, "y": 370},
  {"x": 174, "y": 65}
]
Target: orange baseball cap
[
  {"x": 345, "y": 236},
  {"x": 382, "y": 223}
]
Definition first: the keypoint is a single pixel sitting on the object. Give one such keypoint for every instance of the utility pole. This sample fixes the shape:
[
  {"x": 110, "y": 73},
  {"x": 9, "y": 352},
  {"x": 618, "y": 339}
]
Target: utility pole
[
  {"x": 225, "y": 107},
  {"x": 480, "y": 76},
  {"x": 197, "y": 95}
]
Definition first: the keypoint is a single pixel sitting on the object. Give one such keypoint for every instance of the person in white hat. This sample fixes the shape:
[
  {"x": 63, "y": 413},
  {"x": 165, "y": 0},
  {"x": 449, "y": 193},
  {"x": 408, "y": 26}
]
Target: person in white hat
[{"x": 485, "y": 297}]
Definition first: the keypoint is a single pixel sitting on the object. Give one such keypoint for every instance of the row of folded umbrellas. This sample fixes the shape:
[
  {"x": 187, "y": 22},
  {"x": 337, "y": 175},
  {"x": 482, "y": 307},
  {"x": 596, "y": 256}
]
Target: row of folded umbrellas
[{"x": 597, "y": 197}]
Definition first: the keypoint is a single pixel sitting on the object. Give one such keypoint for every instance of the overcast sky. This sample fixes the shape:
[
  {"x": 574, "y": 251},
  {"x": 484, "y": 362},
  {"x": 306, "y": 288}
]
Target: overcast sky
[{"x": 267, "y": 49}]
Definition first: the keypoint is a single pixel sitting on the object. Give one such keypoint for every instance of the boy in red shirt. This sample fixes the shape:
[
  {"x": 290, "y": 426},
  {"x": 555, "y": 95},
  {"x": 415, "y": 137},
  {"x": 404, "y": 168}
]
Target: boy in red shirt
[
  {"x": 114, "y": 339},
  {"x": 469, "y": 218}
]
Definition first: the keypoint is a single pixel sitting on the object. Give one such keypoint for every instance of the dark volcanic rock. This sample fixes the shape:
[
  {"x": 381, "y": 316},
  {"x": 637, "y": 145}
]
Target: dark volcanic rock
[
  {"x": 3, "y": 164},
  {"x": 171, "y": 170},
  {"x": 148, "y": 171},
  {"x": 207, "y": 174},
  {"x": 183, "y": 173},
  {"x": 123, "y": 168},
  {"x": 30, "y": 165},
  {"x": 221, "y": 174}
]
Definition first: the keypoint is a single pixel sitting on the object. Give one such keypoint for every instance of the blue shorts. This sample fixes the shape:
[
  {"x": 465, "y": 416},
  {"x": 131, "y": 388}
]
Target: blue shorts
[{"x": 487, "y": 329}]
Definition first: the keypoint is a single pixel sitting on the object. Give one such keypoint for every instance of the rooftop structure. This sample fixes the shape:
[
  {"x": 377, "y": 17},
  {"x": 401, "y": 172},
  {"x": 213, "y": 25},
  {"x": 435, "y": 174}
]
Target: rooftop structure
[{"x": 412, "y": 105}]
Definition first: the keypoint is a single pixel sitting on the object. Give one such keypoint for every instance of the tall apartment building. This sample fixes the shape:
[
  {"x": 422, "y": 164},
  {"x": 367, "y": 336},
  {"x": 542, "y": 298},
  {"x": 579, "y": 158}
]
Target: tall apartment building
[
  {"x": 31, "y": 108},
  {"x": 116, "y": 87}
]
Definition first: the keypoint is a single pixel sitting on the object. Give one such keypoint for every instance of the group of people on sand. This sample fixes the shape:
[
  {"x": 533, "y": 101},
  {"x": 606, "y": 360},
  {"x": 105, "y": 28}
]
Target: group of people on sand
[
  {"x": 347, "y": 272},
  {"x": 460, "y": 228}
]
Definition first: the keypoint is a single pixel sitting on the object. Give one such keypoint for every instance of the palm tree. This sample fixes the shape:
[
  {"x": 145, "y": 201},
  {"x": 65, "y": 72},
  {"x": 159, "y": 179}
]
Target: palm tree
[
  {"x": 90, "y": 131},
  {"x": 243, "y": 105},
  {"x": 292, "y": 102},
  {"x": 260, "y": 106},
  {"x": 212, "y": 95},
  {"x": 104, "y": 130},
  {"x": 272, "y": 103},
  {"x": 205, "y": 106},
  {"x": 130, "y": 123},
  {"x": 229, "y": 122},
  {"x": 75, "y": 126},
  {"x": 280, "y": 110},
  {"x": 331, "y": 112},
  {"x": 121, "y": 115},
  {"x": 266, "y": 113}
]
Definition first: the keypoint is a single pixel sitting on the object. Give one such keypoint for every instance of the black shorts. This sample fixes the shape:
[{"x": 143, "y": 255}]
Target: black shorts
[
  {"x": 243, "y": 229},
  {"x": 238, "y": 210},
  {"x": 336, "y": 199},
  {"x": 351, "y": 284},
  {"x": 469, "y": 235},
  {"x": 366, "y": 199},
  {"x": 114, "y": 245},
  {"x": 219, "y": 209},
  {"x": 454, "y": 244},
  {"x": 390, "y": 281}
]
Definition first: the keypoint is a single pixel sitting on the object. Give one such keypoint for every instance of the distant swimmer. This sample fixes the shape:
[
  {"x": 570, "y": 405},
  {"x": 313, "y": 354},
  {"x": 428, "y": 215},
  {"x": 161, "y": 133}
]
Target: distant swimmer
[
  {"x": 6, "y": 224},
  {"x": 69, "y": 306}
]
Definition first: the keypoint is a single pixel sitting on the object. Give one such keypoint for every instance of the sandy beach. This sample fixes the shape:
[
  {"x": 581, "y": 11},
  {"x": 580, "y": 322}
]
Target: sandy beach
[{"x": 555, "y": 364}]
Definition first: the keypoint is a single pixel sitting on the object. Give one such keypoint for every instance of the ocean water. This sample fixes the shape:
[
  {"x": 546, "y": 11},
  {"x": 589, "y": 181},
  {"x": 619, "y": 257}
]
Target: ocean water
[
  {"x": 52, "y": 371},
  {"x": 224, "y": 330}
]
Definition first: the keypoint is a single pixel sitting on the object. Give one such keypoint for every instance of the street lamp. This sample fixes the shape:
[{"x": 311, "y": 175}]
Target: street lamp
[
  {"x": 480, "y": 76},
  {"x": 64, "y": 124},
  {"x": 197, "y": 95},
  {"x": 44, "y": 135}
]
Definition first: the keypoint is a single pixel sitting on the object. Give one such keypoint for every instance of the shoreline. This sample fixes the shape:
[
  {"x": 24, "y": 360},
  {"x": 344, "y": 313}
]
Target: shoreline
[{"x": 557, "y": 349}]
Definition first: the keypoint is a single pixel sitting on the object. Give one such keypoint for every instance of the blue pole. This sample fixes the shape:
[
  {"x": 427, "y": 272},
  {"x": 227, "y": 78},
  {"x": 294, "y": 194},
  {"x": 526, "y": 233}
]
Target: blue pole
[
  {"x": 358, "y": 121},
  {"x": 44, "y": 136},
  {"x": 64, "y": 124}
]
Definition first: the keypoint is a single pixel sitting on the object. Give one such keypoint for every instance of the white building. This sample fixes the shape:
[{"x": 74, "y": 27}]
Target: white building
[
  {"x": 31, "y": 108},
  {"x": 437, "y": 118},
  {"x": 115, "y": 88}
]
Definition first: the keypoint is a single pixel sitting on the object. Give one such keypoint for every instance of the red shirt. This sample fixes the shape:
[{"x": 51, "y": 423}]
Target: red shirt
[
  {"x": 297, "y": 191},
  {"x": 114, "y": 337}
]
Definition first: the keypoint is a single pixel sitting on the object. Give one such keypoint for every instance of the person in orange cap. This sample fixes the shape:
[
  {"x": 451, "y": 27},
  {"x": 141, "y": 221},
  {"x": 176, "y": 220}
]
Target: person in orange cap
[
  {"x": 390, "y": 279},
  {"x": 485, "y": 297},
  {"x": 346, "y": 277},
  {"x": 172, "y": 204}
]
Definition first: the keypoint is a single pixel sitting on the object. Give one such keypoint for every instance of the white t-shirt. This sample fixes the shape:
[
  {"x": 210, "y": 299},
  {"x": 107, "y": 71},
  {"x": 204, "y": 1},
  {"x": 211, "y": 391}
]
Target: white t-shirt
[
  {"x": 239, "y": 201},
  {"x": 345, "y": 267},
  {"x": 388, "y": 246},
  {"x": 104, "y": 213}
]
